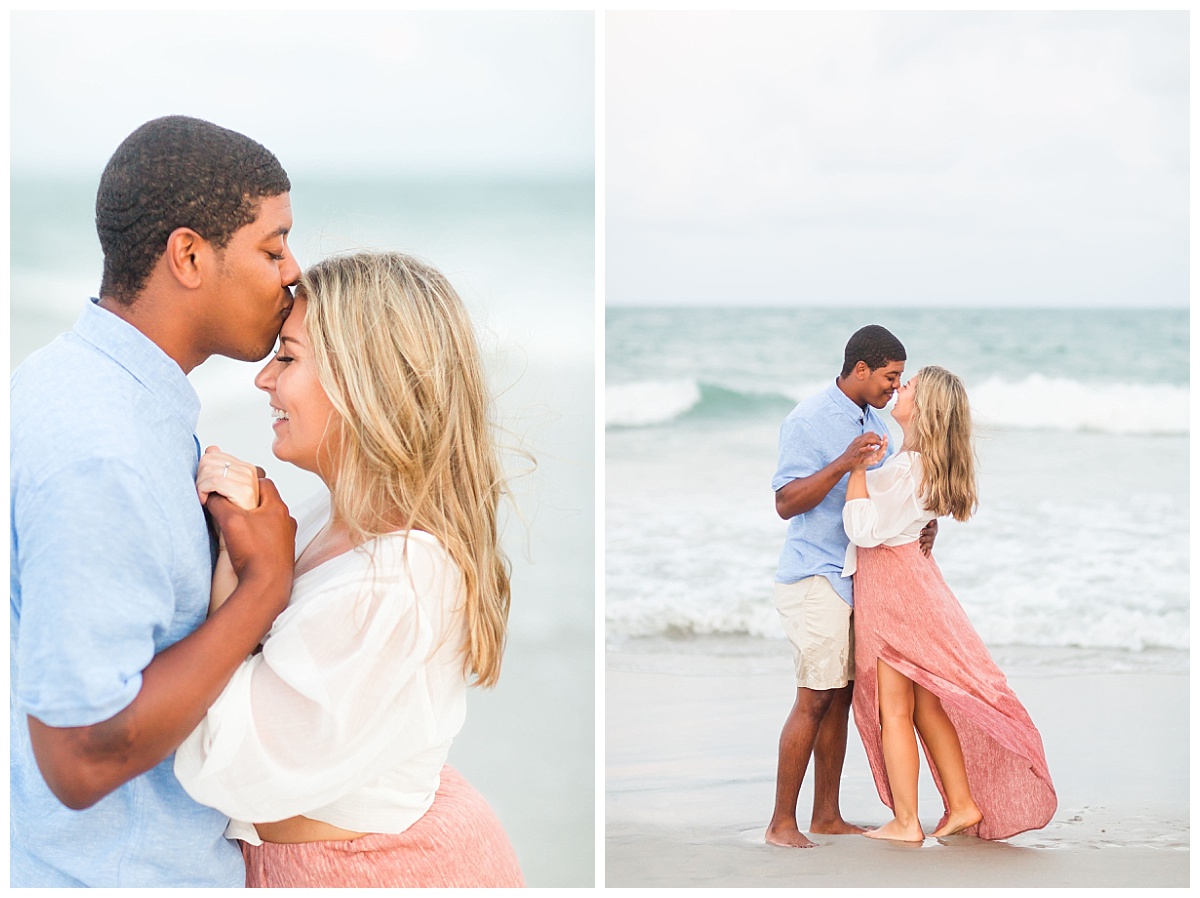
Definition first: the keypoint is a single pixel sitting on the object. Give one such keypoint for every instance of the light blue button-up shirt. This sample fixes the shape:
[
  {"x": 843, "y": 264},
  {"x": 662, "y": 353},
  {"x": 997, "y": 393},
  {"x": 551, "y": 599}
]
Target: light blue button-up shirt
[
  {"x": 111, "y": 564},
  {"x": 816, "y": 432}
]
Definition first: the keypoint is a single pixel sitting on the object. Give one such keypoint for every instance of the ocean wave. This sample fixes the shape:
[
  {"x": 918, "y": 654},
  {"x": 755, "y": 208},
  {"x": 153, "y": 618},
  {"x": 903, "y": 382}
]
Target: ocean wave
[
  {"x": 1126, "y": 629},
  {"x": 649, "y": 402},
  {"x": 1037, "y": 402},
  {"x": 1053, "y": 403},
  {"x": 1088, "y": 571},
  {"x": 656, "y": 402}
]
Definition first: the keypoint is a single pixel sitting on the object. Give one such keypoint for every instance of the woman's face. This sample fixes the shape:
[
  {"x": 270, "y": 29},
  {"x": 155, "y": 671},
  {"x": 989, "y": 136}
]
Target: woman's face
[
  {"x": 304, "y": 419},
  {"x": 903, "y": 409}
]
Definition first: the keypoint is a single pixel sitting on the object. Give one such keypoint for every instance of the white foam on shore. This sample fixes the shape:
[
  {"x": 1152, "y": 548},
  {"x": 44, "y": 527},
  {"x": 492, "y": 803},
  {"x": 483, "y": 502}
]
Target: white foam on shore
[
  {"x": 649, "y": 402},
  {"x": 1037, "y": 402},
  {"x": 1051, "y": 403},
  {"x": 1108, "y": 570},
  {"x": 669, "y": 612}
]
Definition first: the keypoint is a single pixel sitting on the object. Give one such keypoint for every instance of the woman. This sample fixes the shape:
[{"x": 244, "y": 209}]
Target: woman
[
  {"x": 327, "y": 748},
  {"x": 919, "y": 661}
]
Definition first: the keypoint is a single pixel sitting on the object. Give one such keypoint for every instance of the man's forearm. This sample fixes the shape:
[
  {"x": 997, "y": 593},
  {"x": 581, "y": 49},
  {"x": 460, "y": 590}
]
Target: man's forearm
[
  {"x": 806, "y": 493},
  {"x": 83, "y": 764}
]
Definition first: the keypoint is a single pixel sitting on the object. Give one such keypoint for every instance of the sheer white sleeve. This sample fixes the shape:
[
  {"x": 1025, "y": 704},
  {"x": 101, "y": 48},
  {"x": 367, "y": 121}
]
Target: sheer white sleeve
[
  {"x": 893, "y": 503},
  {"x": 363, "y": 667}
]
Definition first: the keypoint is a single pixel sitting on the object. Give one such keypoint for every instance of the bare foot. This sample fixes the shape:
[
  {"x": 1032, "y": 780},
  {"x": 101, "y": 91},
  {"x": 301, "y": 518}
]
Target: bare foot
[
  {"x": 895, "y": 831},
  {"x": 788, "y": 837},
  {"x": 957, "y": 821},
  {"x": 838, "y": 827}
]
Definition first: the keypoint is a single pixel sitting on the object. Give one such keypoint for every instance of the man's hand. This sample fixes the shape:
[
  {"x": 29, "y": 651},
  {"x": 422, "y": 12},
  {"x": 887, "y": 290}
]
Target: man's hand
[
  {"x": 221, "y": 474},
  {"x": 261, "y": 543},
  {"x": 928, "y": 534},
  {"x": 863, "y": 451},
  {"x": 805, "y": 493},
  {"x": 83, "y": 764},
  {"x": 870, "y": 454}
]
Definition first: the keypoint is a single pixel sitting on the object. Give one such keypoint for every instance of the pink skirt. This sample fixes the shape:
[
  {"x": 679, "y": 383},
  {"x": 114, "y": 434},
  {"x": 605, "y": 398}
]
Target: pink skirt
[
  {"x": 905, "y": 614},
  {"x": 458, "y": 843}
]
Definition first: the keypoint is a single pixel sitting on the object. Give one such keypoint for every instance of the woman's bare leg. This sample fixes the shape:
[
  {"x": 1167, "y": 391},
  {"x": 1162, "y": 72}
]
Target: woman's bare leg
[
  {"x": 900, "y": 758},
  {"x": 941, "y": 739}
]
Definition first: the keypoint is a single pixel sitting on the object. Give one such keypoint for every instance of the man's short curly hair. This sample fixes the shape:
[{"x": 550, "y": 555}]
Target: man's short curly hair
[
  {"x": 176, "y": 172},
  {"x": 873, "y": 344}
]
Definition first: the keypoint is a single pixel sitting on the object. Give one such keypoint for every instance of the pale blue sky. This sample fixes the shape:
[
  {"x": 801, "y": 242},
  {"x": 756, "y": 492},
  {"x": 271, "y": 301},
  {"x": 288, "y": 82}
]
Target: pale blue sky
[
  {"x": 364, "y": 92},
  {"x": 940, "y": 158}
]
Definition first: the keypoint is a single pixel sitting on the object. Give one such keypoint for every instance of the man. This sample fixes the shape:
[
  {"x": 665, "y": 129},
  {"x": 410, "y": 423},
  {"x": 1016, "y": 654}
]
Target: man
[
  {"x": 112, "y": 660},
  {"x": 819, "y": 443}
]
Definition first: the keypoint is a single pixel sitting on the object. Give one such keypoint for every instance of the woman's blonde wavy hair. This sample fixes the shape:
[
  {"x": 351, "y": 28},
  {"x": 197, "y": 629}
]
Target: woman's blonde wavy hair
[
  {"x": 396, "y": 353},
  {"x": 940, "y": 429}
]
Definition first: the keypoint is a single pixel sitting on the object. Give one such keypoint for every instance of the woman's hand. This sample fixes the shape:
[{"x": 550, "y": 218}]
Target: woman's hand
[
  {"x": 221, "y": 473},
  {"x": 864, "y": 450},
  {"x": 871, "y": 452}
]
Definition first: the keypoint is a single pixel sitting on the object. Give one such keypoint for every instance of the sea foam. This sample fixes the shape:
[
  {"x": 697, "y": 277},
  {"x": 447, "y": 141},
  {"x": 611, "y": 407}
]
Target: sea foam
[
  {"x": 649, "y": 402},
  {"x": 1051, "y": 403},
  {"x": 1037, "y": 402}
]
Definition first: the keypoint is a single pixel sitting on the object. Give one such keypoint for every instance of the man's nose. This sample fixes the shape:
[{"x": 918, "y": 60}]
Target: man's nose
[{"x": 290, "y": 270}]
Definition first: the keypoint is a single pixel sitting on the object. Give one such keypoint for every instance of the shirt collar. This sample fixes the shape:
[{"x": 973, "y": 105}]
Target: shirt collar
[
  {"x": 845, "y": 404},
  {"x": 142, "y": 358}
]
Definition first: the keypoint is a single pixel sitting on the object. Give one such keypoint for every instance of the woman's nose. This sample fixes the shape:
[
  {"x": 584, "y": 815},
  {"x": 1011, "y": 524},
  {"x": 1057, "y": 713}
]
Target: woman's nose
[{"x": 264, "y": 379}]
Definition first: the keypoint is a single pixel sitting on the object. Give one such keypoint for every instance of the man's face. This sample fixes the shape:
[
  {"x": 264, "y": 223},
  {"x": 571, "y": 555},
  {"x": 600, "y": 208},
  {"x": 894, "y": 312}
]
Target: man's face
[
  {"x": 250, "y": 297},
  {"x": 882, "y": 383}
]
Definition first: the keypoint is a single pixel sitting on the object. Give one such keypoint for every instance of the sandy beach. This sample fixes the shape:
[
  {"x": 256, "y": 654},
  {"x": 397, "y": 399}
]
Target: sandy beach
[{"x": 691, "y": 738}]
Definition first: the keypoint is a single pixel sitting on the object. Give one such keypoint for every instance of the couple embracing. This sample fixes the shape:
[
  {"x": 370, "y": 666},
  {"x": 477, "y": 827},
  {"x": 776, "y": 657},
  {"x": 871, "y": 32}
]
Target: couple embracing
[
  {"x": 872, "y": 622},
  {"x": 204, "y": 690}
]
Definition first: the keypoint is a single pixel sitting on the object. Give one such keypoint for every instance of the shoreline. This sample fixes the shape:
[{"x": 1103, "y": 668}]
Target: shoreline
[{"x": 691, "y": 774}]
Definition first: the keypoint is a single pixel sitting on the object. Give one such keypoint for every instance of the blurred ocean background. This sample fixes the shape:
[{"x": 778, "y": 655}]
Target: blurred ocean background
[
  {"x": 521, "y": 253},
  {"x": 1078, "y": 556}
]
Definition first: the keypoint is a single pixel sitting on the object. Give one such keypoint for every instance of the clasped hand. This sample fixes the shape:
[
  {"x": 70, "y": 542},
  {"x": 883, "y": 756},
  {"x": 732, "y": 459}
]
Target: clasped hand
[
  {"x": 221, "y": 473},
  {"x": 257, "y": 535},
  {"x": 865, "y": 450}
]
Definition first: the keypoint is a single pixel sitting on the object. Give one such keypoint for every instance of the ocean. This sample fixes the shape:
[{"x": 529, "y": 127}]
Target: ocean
[
  {"x": 521, "y": 253},
  {"x": 1078, "y": 555}
]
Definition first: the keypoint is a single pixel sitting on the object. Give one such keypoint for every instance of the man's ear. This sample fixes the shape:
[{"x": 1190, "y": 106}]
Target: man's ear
[
  {"x": 183, "y": 248},
  {"x": 861, "y": 370}
]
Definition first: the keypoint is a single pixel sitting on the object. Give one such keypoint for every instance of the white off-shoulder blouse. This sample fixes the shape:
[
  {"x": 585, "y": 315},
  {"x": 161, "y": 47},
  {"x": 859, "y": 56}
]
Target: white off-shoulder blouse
[
  {"x": 347, "y": 714},
  {"x": 893, "y": 514}
]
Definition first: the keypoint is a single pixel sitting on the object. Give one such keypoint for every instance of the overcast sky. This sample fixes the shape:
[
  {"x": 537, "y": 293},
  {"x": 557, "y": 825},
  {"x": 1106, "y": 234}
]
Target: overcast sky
[
  {"x": 875, "y": 158},
  {"x": 359, "y": 92}
]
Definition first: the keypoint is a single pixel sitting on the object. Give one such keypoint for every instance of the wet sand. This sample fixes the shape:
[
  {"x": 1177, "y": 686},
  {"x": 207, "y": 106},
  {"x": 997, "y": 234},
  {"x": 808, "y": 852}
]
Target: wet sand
[{"x": 690, "y": 761}]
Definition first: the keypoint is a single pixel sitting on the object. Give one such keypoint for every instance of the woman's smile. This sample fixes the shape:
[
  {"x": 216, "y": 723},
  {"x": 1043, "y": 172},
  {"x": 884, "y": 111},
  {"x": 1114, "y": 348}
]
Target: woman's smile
[{"x": 301, "y": 414}]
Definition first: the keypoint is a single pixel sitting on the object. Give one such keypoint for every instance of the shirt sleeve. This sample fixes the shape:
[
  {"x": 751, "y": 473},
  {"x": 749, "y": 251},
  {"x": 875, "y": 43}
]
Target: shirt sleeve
[
  {"x": 345, "y": 687},
  {"x": 892, "y": 503},
  {"x": 94, "y": 559},
  {"x": 799, "y": 453}
]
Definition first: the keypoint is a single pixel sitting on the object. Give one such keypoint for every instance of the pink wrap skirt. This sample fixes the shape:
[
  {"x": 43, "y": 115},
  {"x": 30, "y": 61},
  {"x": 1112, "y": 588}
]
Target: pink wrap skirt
[
  {"x": 458, "y": 843},
  {"x": 905, "y": 614}
]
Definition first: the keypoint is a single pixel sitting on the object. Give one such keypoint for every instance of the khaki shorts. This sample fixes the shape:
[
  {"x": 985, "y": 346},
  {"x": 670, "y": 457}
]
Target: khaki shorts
[{"x": 818, "y": 624}]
